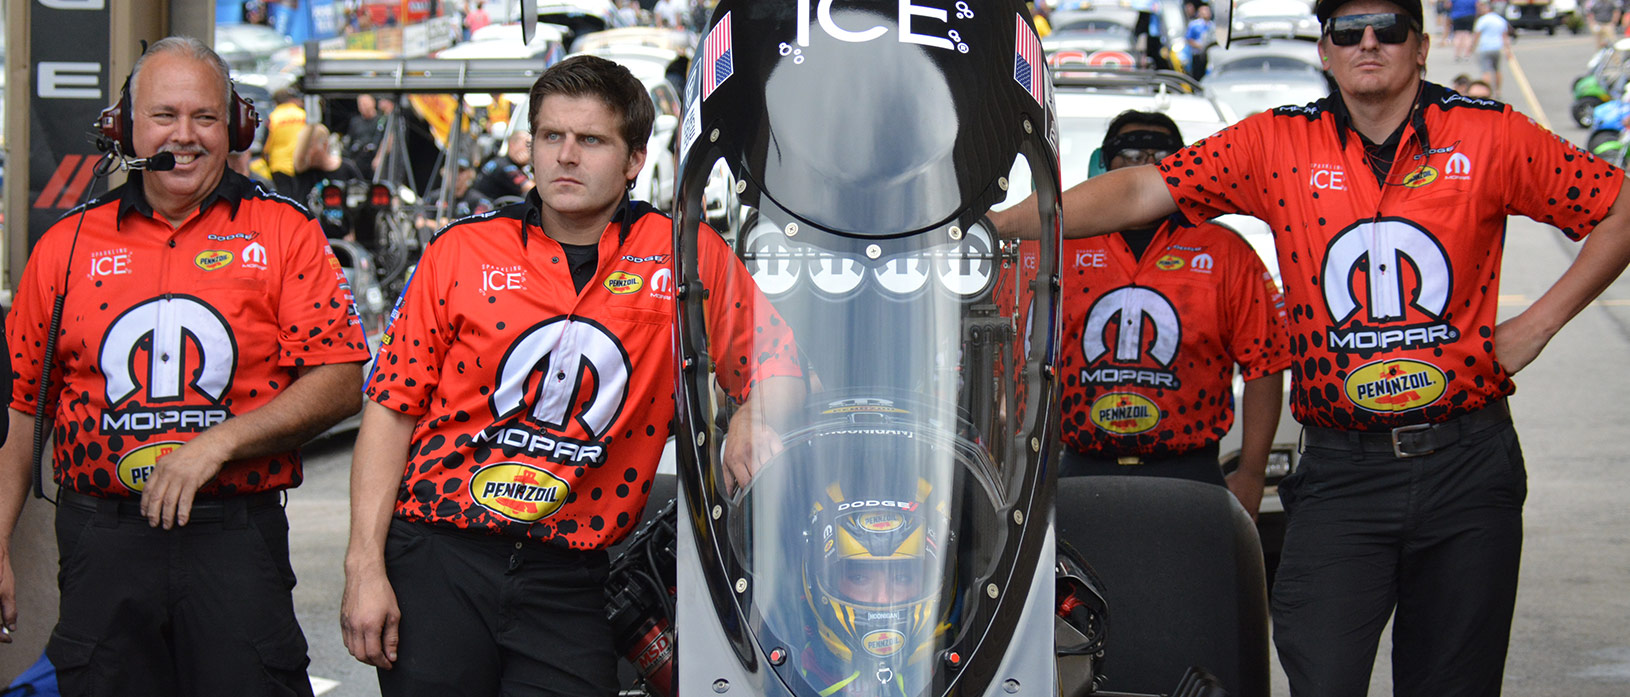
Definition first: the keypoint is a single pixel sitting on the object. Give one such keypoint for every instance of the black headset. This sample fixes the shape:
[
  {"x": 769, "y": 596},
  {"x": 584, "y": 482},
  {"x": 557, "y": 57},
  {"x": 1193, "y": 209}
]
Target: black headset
[{"x": 116, "y": 124}]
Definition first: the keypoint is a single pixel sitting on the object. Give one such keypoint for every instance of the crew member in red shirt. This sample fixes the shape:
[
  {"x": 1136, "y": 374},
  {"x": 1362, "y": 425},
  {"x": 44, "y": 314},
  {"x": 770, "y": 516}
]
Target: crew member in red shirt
[
  {"x": 206, "y": 333},
  {"x": 1155, "y": 319},
  {"x": 519, "y": 407},
  {"x": 1388, "y": 201}
]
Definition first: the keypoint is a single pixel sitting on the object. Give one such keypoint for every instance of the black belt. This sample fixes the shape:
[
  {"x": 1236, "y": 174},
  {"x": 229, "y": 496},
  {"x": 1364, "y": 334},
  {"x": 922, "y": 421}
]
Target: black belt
[
  {"x": 1413, "y": 440},
  {"x": 1205, "y": 452},
  {"x": 203, "y": 510}
]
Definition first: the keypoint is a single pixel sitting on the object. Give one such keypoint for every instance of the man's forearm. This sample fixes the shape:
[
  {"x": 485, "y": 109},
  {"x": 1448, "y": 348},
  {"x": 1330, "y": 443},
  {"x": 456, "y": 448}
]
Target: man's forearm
[
  {"x": 1110, "y": 202},
  {"x": 1602, "y": 258},
  {"x": 314, "y": 401},
  {"x": 16, "y": 473},
  {"x": 1259, "y": 415},
  {"x": 377, "y": 462}
]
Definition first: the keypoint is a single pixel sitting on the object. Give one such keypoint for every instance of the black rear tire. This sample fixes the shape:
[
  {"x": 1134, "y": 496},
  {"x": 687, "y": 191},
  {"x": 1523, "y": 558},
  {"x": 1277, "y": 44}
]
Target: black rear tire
[{"x": 1182, "y": 576}]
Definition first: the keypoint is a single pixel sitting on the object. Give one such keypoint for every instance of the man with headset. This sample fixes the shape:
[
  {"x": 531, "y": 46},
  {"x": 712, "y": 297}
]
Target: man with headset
[
  {"x": 1388, "y": 203},
  {"x": 206, "y": 332}
]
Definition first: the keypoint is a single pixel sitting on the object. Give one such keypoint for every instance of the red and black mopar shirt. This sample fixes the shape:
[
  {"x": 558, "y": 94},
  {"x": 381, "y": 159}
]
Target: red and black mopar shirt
[
  {"x": 542, "y": 411},
  {"x": 1393, "y": 288},
  {"x": 168, "y": 331},
  {"x": 1150, "y": 344}
]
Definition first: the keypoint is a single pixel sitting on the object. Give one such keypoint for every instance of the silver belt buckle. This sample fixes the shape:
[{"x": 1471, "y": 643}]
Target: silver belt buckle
[{"x": 1398, "y": 450}]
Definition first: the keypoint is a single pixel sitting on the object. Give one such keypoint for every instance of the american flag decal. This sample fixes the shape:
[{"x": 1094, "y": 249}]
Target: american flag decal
[
  {"x": 1027, "y": 67},
  {"x": 719, "y": 62}
]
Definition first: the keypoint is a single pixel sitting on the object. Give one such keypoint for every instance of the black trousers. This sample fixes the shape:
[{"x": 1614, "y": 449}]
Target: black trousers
[
  {"x": 484, "y": 616},
  {"x": 200, "y": 610},
  {"x": 1436, "y": 538}
]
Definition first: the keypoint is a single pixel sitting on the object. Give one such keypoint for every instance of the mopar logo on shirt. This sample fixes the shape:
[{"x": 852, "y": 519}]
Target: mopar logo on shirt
[
  {"x": 521, "y": 493},
  {"x": 1393, "y": 274}
]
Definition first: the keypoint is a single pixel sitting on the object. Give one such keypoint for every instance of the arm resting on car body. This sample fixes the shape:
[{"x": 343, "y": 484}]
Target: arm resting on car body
[{"x": 1110, "y": 202}]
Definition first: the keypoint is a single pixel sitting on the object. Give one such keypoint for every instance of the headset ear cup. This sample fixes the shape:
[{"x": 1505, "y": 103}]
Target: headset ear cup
[
  {"x": 126, "y": 137},
  {"x": 243, "y": 122}
]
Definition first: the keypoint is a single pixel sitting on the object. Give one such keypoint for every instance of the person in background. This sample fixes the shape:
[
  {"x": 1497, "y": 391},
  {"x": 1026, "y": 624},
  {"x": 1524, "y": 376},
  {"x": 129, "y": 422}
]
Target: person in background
[
  {"x": 1604, "y": 16},
  {"x": 1462, "y": 17},
  {"x": 1222, "y": 310},
  {"x": 283, "y": 128},
  {"x": 1493, "y": 43},
  {"x": 1199, "y": 36},
  {"x": 505, "y": 174},
  {"x": 1479, "y": 90},
  {"x": 366, "y": 131},
  {"x": 476, "y": 19},
  {"x": 317, "y": 159},
  {"x": 1460, "y": 83}
]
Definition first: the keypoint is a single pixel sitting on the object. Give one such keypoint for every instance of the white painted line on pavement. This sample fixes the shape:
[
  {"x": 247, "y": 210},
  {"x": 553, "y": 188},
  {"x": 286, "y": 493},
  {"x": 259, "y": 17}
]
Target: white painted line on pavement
[
  {"x": 321, "y": 685},
  {"x": 1534, "y": 109}
]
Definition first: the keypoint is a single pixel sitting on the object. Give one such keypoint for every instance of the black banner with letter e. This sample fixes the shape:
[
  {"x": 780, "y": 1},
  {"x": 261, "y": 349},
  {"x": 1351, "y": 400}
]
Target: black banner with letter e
[{"x": 68, "y": 49}]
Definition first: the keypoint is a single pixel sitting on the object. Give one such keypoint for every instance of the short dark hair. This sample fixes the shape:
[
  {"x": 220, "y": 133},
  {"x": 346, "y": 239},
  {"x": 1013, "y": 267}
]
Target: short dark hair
[
  {"x": 1133, "y": 117},
  {"x": 612, "y": 84}
]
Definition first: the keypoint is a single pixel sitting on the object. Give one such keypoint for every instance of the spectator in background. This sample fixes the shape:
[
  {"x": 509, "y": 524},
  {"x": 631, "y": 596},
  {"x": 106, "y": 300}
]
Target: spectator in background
[
  {"x": 1604, "y": 18},
  {"x": 505, "y": 174},
  {"x": 365, "y": 132},
  {"x": 1462, "y": 15},
  {"x": 1461, "y": 82},
  {"x": 1479, "y": 90},
  {"x": 317, "y": 158},
  {"x": 666, "y": 13},
  {"x": 282, "y": 130},
  {"x": 1200, "y": 35},
  {"x": 1493, "y": 43},
  {"x": 628, "y": 14},
  {"x": 466, "y": 200},
  {"x": 476, "y": 19}
]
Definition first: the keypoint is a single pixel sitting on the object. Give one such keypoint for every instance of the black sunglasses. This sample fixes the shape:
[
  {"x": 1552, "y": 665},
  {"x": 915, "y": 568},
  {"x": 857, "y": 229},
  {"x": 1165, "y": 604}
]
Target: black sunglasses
[{"x": 1390, "y": 28}]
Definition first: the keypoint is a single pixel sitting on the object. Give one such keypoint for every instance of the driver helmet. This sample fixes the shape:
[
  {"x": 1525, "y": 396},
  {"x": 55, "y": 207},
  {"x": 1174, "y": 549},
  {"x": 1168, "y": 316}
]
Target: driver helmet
[{"x": 877, "y": 577}]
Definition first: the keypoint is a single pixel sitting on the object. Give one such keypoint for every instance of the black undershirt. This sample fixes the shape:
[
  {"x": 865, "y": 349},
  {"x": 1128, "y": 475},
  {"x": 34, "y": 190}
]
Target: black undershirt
[
  {"x": 582, "y": 260},
  {"x": 1138, "y": 240},
  {"x": 1381, "y": 156}
]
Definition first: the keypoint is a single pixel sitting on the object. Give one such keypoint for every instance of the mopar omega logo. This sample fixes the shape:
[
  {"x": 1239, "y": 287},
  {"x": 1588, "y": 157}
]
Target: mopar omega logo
[
  {"x": 1400, "y": 385},
  {"x": 137, "y": 465},
  {"x": 519, "y": 492},
  {"x": 1404, "y": 269},
  {"x": 1131, "y": 305},
  {"x": 1124, "y": 414}
]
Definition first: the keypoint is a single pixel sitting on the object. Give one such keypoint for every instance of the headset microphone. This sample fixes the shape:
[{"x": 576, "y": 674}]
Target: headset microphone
[{"x": 162, "y": 162}]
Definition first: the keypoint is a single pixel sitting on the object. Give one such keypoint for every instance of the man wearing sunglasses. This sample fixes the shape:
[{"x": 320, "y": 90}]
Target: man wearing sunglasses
[
  {"x": 1155, "y": 319},
  {"x": 1388, "y": 201}
]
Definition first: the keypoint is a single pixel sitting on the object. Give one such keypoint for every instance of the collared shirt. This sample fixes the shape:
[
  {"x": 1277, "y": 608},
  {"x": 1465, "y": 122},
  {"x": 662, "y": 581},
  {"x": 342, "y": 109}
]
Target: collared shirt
[
  {"x": 542, "y": 410},
  {"x": 1393, "y": 286},
  {"x": 1150, "y": 343},
  {"x": 168, "y": 331}
]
